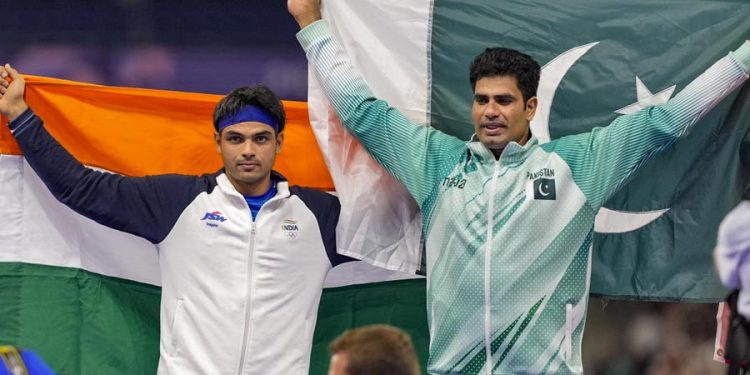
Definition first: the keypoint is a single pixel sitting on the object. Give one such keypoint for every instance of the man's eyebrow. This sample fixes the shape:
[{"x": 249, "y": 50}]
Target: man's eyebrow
[{"x": 262, "y": 132}]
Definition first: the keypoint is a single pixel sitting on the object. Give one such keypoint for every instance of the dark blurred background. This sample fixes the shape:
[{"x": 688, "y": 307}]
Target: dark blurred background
[
  {"x": 215, "y": 46},
  {"x": 202, "y": 46}
]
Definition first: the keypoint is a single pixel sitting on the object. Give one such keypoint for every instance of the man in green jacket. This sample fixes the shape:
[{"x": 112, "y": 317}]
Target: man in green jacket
[{"x": 507, "y": 221}]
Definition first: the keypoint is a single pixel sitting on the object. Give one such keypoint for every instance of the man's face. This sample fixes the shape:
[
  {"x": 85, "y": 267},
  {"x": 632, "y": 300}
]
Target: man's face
[
  {"x": 500, "y": 114},
  {"x": 249, "y": 150},
  {"x": 338, "y": 365}
]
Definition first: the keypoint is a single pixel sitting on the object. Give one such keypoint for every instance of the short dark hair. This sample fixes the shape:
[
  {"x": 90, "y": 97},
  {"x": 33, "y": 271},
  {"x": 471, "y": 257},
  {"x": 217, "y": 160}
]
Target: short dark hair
[
  {"x": 500, "y": 61},
  {"x": 377, "y": 349},
  {"x": 260, "y": 96}
]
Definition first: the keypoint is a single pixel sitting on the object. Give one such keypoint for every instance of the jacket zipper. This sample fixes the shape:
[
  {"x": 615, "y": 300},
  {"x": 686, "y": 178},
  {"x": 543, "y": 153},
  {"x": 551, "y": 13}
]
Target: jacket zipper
[
  {"x": 248, "y": 306},
  {"x": 487, "y": 269}
]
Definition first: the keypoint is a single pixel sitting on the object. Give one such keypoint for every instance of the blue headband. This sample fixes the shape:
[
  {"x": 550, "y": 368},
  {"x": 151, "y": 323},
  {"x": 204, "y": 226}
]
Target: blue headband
[{"x": 248, "y": 113}]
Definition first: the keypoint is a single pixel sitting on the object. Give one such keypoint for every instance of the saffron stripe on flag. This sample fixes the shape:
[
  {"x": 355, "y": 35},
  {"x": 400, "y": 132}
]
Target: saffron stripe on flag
[{"x": 139, "y": 132}]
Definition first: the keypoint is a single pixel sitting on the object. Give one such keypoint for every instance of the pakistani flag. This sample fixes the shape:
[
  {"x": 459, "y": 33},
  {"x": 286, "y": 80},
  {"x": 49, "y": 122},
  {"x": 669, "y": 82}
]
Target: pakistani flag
[{"x": 600, "y": 59}]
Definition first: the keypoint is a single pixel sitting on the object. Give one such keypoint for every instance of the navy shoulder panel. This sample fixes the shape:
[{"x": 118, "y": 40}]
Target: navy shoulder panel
[
  {"x": 326, "y": 208},
  {"x": 172, "y": 193},
  {"x": 147, "y": 207}
]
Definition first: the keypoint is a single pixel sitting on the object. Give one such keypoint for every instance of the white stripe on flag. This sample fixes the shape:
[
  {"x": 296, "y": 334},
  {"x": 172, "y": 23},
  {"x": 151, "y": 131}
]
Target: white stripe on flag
[
  {"x": 40, "y": 230},
  {"x": 377, "y": 212}
]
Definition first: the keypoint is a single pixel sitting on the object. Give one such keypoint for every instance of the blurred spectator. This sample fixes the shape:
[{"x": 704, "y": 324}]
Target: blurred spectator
[
  {"x": 730, "y": 255},
  {"x": 373, "y": 350},
  {"x": 650, "y": 338}
]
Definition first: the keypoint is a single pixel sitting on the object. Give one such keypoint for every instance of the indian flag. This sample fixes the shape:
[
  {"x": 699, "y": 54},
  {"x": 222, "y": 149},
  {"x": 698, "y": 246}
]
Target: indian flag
[
  {"x": 86, "y": 297},
  {"x": 600, "y": 59}
]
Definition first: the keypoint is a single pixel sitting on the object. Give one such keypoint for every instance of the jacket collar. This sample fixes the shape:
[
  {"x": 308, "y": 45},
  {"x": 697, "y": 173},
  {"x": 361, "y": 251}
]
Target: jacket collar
[
  {"x": 282, "y": 185},
  {"x": 513, "y": 153}
]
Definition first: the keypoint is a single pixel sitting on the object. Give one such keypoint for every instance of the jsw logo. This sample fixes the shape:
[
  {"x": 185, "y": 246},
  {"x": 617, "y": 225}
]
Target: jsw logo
[{"x": 214, "y": 216}]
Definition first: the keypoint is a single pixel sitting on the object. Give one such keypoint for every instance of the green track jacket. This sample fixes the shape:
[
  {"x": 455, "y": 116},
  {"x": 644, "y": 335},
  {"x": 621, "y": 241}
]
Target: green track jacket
[{"x": 508, "y": 241}]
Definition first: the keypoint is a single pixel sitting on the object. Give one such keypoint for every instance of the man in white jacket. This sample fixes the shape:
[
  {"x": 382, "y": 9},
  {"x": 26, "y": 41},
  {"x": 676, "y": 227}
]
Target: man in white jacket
[{"x": 242, "y": 254}]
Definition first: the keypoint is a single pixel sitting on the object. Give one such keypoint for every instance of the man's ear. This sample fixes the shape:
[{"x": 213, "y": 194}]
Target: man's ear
[
  {"x": 217, "y": 138},
  {"x": 279, "y": 142},
  {"x": 531, "y": 108}
]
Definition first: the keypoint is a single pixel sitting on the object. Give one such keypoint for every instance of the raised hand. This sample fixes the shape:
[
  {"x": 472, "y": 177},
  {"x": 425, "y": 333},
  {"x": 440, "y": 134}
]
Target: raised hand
[
  {"x": 12, "y": 87},
  {"x": 304, "y": 12}
]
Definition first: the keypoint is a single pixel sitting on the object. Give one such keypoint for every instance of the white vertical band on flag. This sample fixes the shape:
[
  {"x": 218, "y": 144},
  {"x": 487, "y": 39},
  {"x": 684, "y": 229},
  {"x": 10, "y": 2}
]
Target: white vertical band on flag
[
  {"x": 355, "y": 273},
  {"x": 393, "y": 60},
  {"x": 379, "y": 221}
]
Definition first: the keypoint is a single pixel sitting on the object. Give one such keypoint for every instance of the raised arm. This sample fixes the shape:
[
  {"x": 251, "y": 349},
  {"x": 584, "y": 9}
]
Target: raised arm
[
  {"x": 146, "y": 207},
  {"x": 12, "y": 87},
  {"x": 603, "y": 159},
  {"x": 411, "y": 152},
  {"x": 305, "y": 12}
]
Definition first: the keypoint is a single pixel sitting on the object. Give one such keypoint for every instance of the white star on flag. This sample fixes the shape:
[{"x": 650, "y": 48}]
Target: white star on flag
[{"x": 646, "y": 98}]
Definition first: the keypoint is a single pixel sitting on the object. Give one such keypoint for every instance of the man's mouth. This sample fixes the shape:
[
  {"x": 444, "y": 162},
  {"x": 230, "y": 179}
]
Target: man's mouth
[
  {"x": 494, "y": 128},
  {"x": 248, "y": 166}
]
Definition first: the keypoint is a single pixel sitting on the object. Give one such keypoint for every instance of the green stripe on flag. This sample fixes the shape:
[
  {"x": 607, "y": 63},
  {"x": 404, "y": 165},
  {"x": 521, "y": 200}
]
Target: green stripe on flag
[
  {"x": 80, "y": 322},
  {"x": 83, "y": 323}
]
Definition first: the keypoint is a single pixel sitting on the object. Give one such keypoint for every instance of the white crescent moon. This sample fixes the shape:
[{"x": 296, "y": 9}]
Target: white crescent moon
[
  {"x": 541, "y": 191},
  {"x": 550, "y": 78},
  {"x": 611, "y": 221},
  {"x": 607, "y": 221}
]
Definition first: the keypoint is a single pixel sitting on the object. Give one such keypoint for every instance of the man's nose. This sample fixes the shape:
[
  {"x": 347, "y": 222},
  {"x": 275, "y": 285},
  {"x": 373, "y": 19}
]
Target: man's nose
[
  {"x": 248, "y": 149},
  {"x": 491, "y": 111}
]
